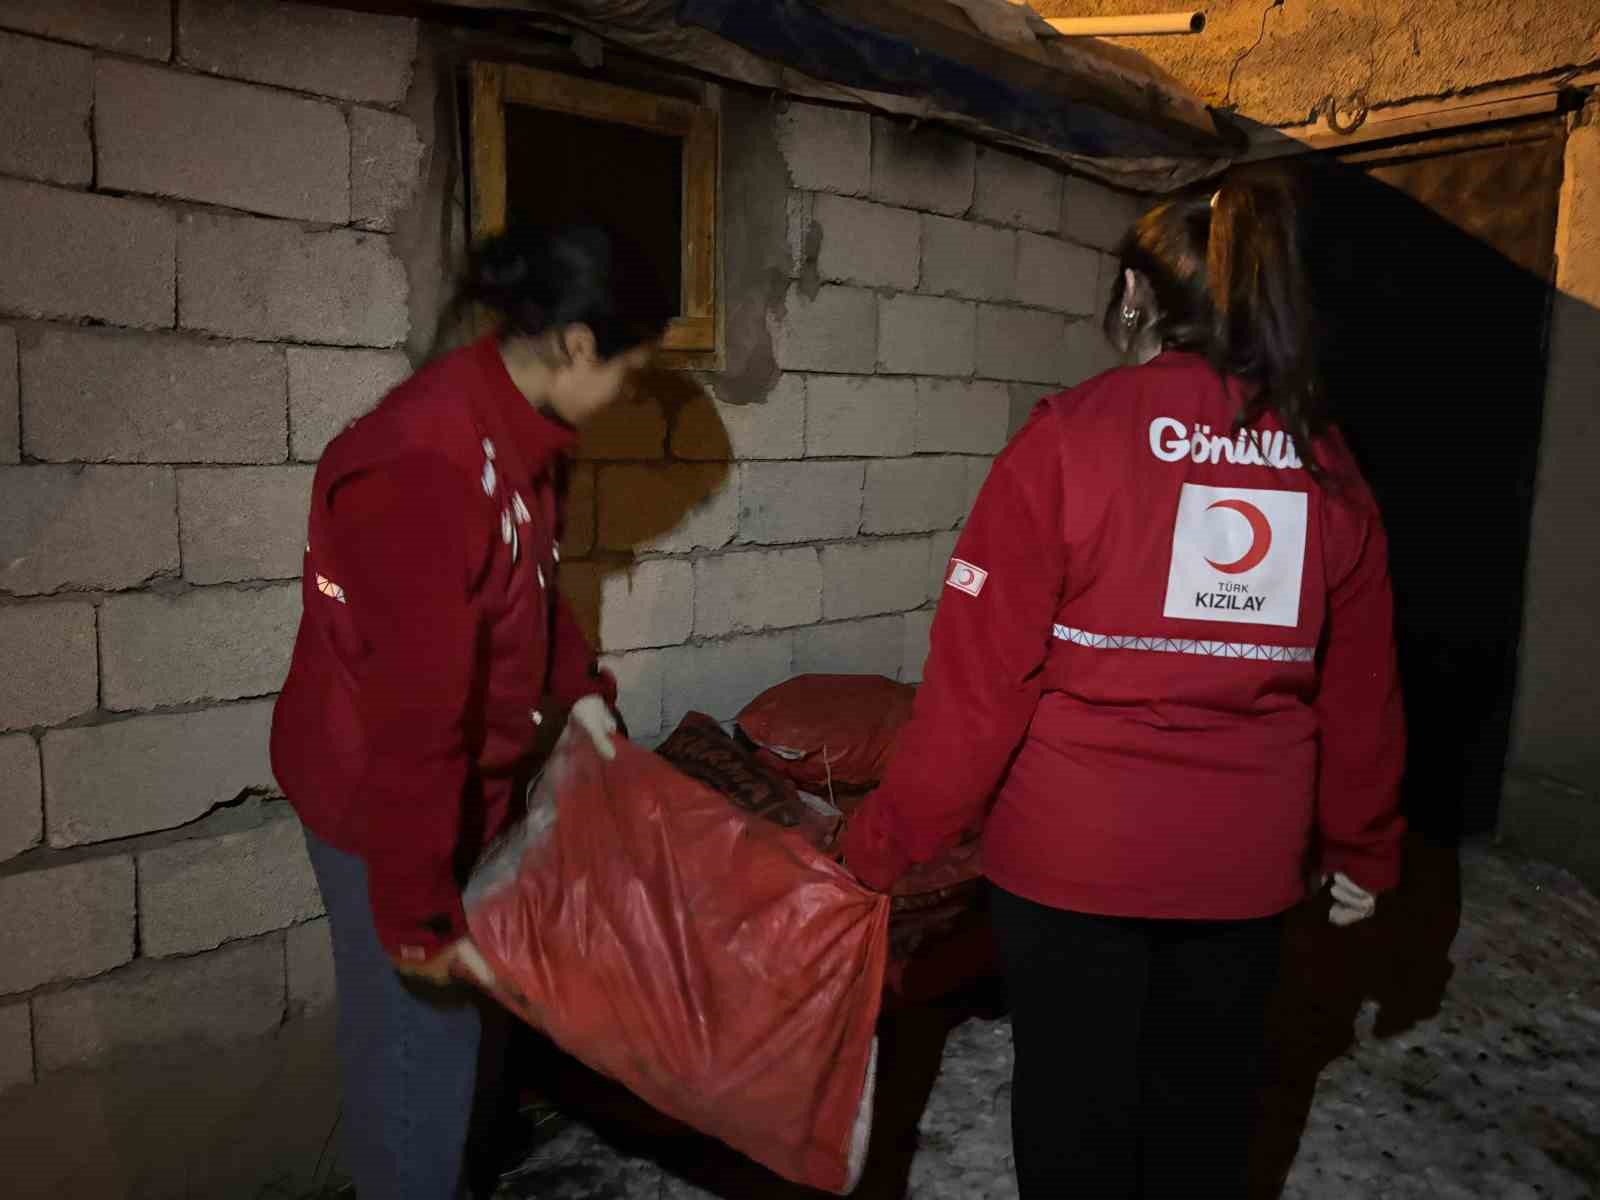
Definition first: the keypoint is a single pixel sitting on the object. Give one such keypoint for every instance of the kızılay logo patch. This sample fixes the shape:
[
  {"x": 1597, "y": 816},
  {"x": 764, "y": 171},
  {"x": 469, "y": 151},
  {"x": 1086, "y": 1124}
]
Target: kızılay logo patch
[{"x": 1238, "y": 555}]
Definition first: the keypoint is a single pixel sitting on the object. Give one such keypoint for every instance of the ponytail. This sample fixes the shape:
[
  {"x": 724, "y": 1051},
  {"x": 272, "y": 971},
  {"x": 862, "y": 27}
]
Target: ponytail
[
  {"x": 1261, "y": 322},
  {"x": 1227, "y": 272}
]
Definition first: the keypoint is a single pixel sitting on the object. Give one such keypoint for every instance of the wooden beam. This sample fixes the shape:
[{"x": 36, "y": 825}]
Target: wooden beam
[{"x": 1423, "y": 117}]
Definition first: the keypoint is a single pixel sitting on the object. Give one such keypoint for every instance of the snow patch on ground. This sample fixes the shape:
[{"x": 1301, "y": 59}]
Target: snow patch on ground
[{"x": 1488, "y": 1090}]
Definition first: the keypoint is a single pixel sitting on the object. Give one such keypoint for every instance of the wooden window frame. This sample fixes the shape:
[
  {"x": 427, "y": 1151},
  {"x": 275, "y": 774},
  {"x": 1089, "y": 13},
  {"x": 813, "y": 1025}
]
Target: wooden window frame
[{"x": 691, "y": 339}]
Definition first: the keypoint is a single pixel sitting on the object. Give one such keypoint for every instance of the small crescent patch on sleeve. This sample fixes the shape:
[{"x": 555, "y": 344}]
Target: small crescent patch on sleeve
[{"x": 965, "y": 577}]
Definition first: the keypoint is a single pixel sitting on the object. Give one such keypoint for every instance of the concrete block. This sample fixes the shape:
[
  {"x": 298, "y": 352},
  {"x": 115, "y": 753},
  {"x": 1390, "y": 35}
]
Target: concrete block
[
  {"x": 1097, "y": 215},
  {"x": 386, "y": 158},
  {"x": 163, "y": 133},
  {"x": 21, "y": 801},
  {"x": 211, "y": 644},
  {"x": 668, "y": 509},
  {"x": 870, "y": 647},
  {"x": 242, "y": 523},
  {"x": 231, "y": 994},
  {"x": 774, "y": 428},
  {"x": 351, "y": 55},
  {"x": 864, "y": 243},
  {"x": 977, "y": 476},
  {"x": 925, "y": 167},
  {"x": 864, "y": 579},
  {"x": 67, "y": 922},
  {"x": 1021, "y": 344},
  {"x": 104, "y": 396},
  {"x": 1087, "y": 353},
  {"x": 1106, "y": 280},
  {"x": 924, "y": 335},
  {"x": 1552, "y": 819},
  {"x": 958, "y": 416},
  {"x": 87, "y": 527},
  {"x": 649, "y": 604},
  {"x": 141, "y": 28},
  {"x": 330, "y": 388},
  {"x": 799, "y": 221},
  {"x": 198, "y": 894},
  {"x": 720, "y": 678},
  {"x": 941, "y": 549},
  {"x": 962, "y": 258},
  {"x": 826, "y": 149},
  {"x": 10, "y": 398},
  {"x": 914, "y": 495},
  {"x": 835, "y": 330},
  {"x": 16, "y": 1045},
  {"x": 641, "y": 675},
  {"x": 1015, "y": 191},
  {"x": 755, "y": 590},
  {"x": 273, "y": 281},
  {"x": 631, "y": 430},
  {"x": 49, "y": 652},
  {"x": 915, "y": 649},
  {"x": 860, "y": 415},
  {"x": 153, "y": 772},
  {"x": 1025, "y": 398},
  {"x": 799, "y": 502},
  {"x": 579, "y": 512},
  {"x": 46, "y": 91},
  {"x": 73, "y": 255},
  {"x": 308, "y": 968},
  {"x": 1056, "y": 274}
]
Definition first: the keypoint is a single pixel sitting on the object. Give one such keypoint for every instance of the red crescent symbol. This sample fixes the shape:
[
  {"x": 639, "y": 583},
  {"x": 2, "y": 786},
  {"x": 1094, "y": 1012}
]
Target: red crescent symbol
[
  {"x": 964, "y": 576},
  {"x": 1261, "y": 537}
]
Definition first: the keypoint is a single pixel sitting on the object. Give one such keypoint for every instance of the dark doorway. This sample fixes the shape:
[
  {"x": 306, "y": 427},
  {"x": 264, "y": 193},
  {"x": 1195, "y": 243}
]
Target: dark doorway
[{"x": 1434, "y": 263}]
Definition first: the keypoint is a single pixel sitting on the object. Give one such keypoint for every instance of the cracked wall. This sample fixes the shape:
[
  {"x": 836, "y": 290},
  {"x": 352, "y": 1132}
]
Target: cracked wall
[{"x": 1387, "y": 50}]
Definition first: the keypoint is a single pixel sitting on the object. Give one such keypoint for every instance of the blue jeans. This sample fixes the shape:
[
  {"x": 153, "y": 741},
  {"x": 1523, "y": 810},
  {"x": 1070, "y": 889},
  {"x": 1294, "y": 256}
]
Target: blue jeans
[{"x": 408, "y": 1054}]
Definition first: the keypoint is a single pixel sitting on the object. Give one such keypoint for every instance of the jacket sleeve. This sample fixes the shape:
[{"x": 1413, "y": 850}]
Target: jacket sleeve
[
  {"x": 983, "y": 675},
  {"x": 1361, "y": 723},
  {"x": 404, "y": 540},
  {"x": 574, "y": 671}
]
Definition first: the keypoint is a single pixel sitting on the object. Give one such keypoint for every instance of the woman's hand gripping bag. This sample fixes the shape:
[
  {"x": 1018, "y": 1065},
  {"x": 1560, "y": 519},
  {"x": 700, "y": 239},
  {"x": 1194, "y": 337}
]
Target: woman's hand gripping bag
[{"x": 714, "y": 963}]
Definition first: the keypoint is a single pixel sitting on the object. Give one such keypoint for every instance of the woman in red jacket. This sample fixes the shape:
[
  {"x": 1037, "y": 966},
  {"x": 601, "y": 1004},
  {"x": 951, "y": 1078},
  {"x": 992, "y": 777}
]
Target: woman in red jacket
[
  {"x": 432, "y": 645},
  {"x": 1162, "y": 678}
]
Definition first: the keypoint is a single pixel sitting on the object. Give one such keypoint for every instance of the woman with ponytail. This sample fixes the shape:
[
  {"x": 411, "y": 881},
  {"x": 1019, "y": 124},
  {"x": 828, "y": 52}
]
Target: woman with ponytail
[
  {"x": 433, "y": 645},
  {"x": 1162, "y": 684}
]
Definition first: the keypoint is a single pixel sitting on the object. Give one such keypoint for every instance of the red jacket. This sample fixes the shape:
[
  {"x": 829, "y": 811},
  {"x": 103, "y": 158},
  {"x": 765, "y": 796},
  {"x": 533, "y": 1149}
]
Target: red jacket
[
  {"x": 1165, "y": 656},
  {"x": 431, "y": 636}
]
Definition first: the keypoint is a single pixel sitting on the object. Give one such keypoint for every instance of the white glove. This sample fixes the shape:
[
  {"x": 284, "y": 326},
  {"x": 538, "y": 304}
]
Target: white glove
[
  {"x": 1351, "y": 901},
  {"x": 470, "y": 958},
  {"x": 592, "y": 715}
]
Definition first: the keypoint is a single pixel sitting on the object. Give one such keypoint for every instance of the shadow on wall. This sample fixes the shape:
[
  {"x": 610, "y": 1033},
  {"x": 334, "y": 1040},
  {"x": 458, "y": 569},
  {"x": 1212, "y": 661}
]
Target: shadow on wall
[{"x": 627, "y": 499}]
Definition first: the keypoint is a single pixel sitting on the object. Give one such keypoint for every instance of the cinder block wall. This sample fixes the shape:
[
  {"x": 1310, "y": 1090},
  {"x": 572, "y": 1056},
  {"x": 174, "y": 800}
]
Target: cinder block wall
[
  {"x": 935, "y": 290},
  {"x": 197, "y": 289},
  {"x": 200, "y": 286}
]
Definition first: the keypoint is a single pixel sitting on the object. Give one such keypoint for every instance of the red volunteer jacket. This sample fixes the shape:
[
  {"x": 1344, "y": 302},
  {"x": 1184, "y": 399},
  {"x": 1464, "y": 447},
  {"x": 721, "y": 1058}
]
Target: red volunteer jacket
[
  {"x": 431, "y": 636},
  {"x": 1166, "y": 655}
]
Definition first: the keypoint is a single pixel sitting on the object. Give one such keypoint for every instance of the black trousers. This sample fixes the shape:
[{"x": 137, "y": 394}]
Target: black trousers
[{"x": 1138, "y": 1049}]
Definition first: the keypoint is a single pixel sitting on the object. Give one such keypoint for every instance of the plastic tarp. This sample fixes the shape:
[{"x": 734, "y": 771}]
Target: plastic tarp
[{"x": 714, "y": 963}]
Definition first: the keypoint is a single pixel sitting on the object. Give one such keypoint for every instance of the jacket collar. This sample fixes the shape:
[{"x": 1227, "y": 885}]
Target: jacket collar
[{"x": 537, "y": 438}]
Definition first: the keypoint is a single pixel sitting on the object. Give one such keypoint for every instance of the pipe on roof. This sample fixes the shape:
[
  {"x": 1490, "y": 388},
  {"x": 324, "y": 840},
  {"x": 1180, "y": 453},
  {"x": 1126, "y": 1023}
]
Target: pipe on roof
[{"x": 1178, "y": 22}]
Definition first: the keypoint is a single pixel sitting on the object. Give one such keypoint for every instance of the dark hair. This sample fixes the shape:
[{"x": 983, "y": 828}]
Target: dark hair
[
  {"x": 1227, "y": 268},
  {"x": 542, "y": 278}
]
